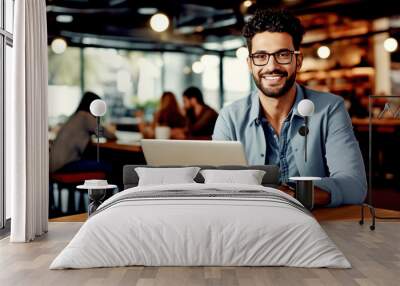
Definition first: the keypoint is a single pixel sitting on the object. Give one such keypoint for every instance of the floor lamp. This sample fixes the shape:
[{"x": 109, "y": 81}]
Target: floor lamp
[
  {"x": 97, "y": 193},
  {"x": 98, "y": 108},
  {"x": 305, "y": 185}
]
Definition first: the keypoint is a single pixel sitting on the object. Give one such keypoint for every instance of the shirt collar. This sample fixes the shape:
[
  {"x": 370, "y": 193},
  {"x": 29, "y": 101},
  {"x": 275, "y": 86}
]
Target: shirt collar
[
  {"x": 299, "y": 97},
  {"x": 255, "y": 105},
  {"x": 254, "y": 108}
]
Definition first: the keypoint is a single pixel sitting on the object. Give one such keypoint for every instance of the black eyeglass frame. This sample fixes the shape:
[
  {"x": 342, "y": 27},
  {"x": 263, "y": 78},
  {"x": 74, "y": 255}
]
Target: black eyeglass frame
[{"x": 275, "y": 55}]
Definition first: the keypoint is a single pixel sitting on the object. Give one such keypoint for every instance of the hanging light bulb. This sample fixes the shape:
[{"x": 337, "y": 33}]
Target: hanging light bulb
[
  {"x": 247, "y": 3},
  {"x": 58, "y": 45},
  {"x": 159, "y": 22},
  {"x": 324, "y": 52},
  {"x": 390, "y": 45}
]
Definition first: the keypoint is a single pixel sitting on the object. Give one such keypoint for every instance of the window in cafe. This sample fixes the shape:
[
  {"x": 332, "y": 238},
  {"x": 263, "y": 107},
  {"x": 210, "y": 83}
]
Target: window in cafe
[
  {"x": 125, "y": 79},
  {"x": 210, "y": 80},
  {"x": 64, "y": 84},
  {"x": 184, "y": 70},
  {"x": 236, "y": 79},
  {"x": 178, "y": 73},
  {"x": 128, "y": 80}
]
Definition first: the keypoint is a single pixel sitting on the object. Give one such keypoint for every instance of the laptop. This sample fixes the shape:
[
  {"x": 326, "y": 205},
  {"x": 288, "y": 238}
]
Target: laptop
[{"x": 161, "y": 152}]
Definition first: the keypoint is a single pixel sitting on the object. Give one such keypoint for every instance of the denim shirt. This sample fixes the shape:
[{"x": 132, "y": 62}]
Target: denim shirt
[
  {"x": 333, "y": 151},
  {"x": 279, "y": 152}
]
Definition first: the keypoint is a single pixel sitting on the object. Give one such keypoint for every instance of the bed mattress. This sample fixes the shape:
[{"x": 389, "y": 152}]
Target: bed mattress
[{"x": 201, "y": 225}]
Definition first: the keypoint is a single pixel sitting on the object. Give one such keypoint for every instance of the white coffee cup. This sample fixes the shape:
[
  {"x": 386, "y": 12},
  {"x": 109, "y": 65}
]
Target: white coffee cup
[{"x": 162, "y": 132}]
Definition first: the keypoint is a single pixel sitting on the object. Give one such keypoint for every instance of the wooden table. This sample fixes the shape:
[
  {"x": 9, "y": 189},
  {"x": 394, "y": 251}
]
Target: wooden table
[
  {"x": 123, "y": 147},
  {"x": 352, "y": 212},
  {"x": 117, "y": 155},
  {"x": 376, "y": 121},
  {"x": 384, "y": 125}
]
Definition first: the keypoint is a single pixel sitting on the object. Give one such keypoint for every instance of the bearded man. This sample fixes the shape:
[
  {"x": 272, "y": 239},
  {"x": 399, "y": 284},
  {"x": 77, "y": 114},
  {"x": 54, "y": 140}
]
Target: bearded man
[{"x": 267, "y": 121}]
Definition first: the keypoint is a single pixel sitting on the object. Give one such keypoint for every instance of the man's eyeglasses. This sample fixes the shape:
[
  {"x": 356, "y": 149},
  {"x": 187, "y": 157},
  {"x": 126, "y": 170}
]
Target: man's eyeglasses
[{"x": 282, "y": 57}]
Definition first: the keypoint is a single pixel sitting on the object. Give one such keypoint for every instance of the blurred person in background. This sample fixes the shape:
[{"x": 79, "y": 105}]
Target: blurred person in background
[
  {"x": 168, "y": 115},
  {"x": 201, "y": 117},
  {"x": 67, "y": 149}
]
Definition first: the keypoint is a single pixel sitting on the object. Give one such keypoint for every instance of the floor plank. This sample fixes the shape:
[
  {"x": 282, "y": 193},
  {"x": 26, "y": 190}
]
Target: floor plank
[
  {"x": 321, "y": 214},
  {"x": 375, "y": 257}
]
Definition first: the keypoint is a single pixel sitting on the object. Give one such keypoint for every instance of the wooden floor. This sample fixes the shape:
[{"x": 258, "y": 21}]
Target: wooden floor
[
  {"x": 374, "y": 255},
  {"x": 322, "y": 214}
]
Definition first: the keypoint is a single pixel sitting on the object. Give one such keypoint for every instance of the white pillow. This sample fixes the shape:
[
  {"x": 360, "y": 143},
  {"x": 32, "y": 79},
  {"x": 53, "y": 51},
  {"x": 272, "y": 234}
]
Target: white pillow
[
  {"x": 248, "y": 177},
  {"x": 163, "y": 176}
]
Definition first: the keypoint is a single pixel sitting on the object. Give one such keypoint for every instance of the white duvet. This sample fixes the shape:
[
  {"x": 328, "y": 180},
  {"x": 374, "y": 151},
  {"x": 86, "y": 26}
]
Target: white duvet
[{"x": 200, "y": 231}]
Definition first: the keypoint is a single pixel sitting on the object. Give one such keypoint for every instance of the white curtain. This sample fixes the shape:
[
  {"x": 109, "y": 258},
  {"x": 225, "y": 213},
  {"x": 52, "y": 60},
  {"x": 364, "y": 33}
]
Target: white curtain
[{"x": 26, "y": 123}]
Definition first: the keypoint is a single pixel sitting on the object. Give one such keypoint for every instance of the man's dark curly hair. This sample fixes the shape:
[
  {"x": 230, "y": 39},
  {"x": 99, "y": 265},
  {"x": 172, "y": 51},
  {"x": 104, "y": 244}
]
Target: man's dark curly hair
[{"x": 274, "y": 21}]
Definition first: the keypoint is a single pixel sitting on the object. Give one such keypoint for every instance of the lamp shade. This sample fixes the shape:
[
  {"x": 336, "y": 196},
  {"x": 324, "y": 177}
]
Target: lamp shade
[
  {"x": 305, "y": 107},
  {"x": 98, "y": 107}
]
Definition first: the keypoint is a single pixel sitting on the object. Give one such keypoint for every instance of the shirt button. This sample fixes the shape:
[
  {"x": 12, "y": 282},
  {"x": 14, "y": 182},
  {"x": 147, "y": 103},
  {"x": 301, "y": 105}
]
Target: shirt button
[{"x": 262, "y": 155}]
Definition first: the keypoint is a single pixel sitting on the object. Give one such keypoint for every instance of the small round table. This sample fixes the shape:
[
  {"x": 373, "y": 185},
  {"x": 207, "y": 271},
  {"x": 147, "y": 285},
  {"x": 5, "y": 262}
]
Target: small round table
[{"x": 96, "y": 195}]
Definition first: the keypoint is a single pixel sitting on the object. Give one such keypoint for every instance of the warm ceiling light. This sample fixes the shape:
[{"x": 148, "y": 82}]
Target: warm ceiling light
[
  {"x": 390, "y": 45},
  {"x": 159, "y": 22},
  {"x": 242, "y": 53},
  {"x": 58, "y": 45},
  {"x": 324, "y": 52},
  {"x": 198, "y": 67},
  {"x": 147, "y": 10},
  {"x": 247, "y": 3},
  {"x": 64, "y": 18}
]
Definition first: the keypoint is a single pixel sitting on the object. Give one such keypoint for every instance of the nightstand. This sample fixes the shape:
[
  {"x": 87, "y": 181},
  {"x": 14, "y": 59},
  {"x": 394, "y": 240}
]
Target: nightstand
[{"x": 96, "y": 195}]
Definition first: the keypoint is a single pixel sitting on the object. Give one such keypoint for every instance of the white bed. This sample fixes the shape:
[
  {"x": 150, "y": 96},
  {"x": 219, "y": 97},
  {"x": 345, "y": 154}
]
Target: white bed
[{"x": 249, "y": 226}]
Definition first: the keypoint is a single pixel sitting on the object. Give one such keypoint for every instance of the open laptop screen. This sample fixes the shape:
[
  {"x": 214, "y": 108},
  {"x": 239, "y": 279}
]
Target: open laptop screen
[{"x": 193, "y": 152}]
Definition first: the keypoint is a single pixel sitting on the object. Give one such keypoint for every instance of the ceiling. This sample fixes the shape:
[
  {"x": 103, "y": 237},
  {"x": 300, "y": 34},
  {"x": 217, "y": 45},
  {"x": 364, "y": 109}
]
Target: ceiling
[{"x": 193, "y": 23}]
